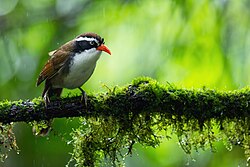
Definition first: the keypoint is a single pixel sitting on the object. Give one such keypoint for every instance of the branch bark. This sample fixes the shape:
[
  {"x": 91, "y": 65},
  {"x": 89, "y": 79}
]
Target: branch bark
[
  {"x": 142, "y": 95},
  {"x": 138, "y": 113}
]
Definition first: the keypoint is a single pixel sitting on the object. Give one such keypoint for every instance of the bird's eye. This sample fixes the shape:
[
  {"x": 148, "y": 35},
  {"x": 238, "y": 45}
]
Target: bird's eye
[{"x": 92, "y": 43}]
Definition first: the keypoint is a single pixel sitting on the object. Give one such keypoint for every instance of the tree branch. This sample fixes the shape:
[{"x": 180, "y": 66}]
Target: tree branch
[
  {"x": 138, "y": 113},
  {"x": 143, "y": 95}
]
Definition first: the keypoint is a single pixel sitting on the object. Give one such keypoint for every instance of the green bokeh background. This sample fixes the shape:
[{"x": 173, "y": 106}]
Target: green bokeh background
[{"x": 188, "y": 43}]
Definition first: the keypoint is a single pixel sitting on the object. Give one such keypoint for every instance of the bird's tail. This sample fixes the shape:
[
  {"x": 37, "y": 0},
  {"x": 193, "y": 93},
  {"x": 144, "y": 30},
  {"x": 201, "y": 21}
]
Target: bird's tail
[{"x": 44, "y": 127}]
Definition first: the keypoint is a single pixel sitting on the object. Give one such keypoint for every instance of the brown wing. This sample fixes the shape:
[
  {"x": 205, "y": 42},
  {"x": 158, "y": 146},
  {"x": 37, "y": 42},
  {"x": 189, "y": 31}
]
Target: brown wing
[
  {"x": 53, "y": 65},
  {"x": 51, "y": 53}
]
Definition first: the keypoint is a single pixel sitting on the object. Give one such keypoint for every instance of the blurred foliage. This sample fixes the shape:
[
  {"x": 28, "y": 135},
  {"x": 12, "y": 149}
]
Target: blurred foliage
[{"x": 186, "y": 42}]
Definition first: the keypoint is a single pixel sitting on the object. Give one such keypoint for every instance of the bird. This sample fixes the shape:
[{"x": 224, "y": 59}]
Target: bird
[{"x": 71, "y": 65}]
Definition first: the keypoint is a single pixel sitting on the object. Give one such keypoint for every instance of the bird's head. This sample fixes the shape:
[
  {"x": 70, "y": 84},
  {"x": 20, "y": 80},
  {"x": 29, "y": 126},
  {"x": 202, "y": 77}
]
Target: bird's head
[{"x": 90, "y": 42}]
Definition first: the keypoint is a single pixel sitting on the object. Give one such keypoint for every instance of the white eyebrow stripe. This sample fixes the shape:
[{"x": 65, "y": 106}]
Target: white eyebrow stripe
[{"x": 86, "y": 39}]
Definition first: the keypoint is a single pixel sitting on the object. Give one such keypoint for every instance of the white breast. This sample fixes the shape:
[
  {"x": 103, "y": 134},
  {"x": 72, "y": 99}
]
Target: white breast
[{"x": 81, "y": 68}]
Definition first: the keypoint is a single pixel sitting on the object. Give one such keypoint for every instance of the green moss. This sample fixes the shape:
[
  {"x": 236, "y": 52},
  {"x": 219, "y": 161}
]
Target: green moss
[
  {"x": 7, "y": 141},
  {"x": 143, "y": 112},
  {"x": 198, "y": 117}
]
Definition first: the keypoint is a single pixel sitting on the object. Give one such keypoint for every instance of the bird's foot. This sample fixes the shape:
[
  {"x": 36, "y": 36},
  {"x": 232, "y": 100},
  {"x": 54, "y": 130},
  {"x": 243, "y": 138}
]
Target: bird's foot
[
  {"x": 46, "y": 100},
  {"x": 84, "y": 98}
]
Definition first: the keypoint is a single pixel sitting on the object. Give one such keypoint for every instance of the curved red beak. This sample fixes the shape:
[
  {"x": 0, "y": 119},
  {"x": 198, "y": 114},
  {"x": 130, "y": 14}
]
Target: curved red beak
[{"x": 104, "y": 48}]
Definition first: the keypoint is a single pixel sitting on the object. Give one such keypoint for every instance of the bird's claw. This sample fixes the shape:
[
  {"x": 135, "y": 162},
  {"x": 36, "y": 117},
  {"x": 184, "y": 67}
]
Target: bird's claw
[{"x": 84, "y": 98}]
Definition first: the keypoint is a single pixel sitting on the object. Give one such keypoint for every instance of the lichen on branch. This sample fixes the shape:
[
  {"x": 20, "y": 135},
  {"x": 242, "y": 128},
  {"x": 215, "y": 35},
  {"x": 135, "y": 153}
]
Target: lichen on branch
[{"x": 142, "y": 112}]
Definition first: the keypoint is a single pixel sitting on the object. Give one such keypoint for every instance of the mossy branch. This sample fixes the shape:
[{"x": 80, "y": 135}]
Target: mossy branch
[
  {"x": 139, "y": 113},
  {"x": 143, "y": 95}
]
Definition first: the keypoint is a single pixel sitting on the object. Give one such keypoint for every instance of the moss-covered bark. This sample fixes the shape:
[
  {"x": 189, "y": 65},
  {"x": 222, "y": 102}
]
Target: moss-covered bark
[
  {"x": 143, "y": 95},
  {"x": 139, "y": 113}
]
